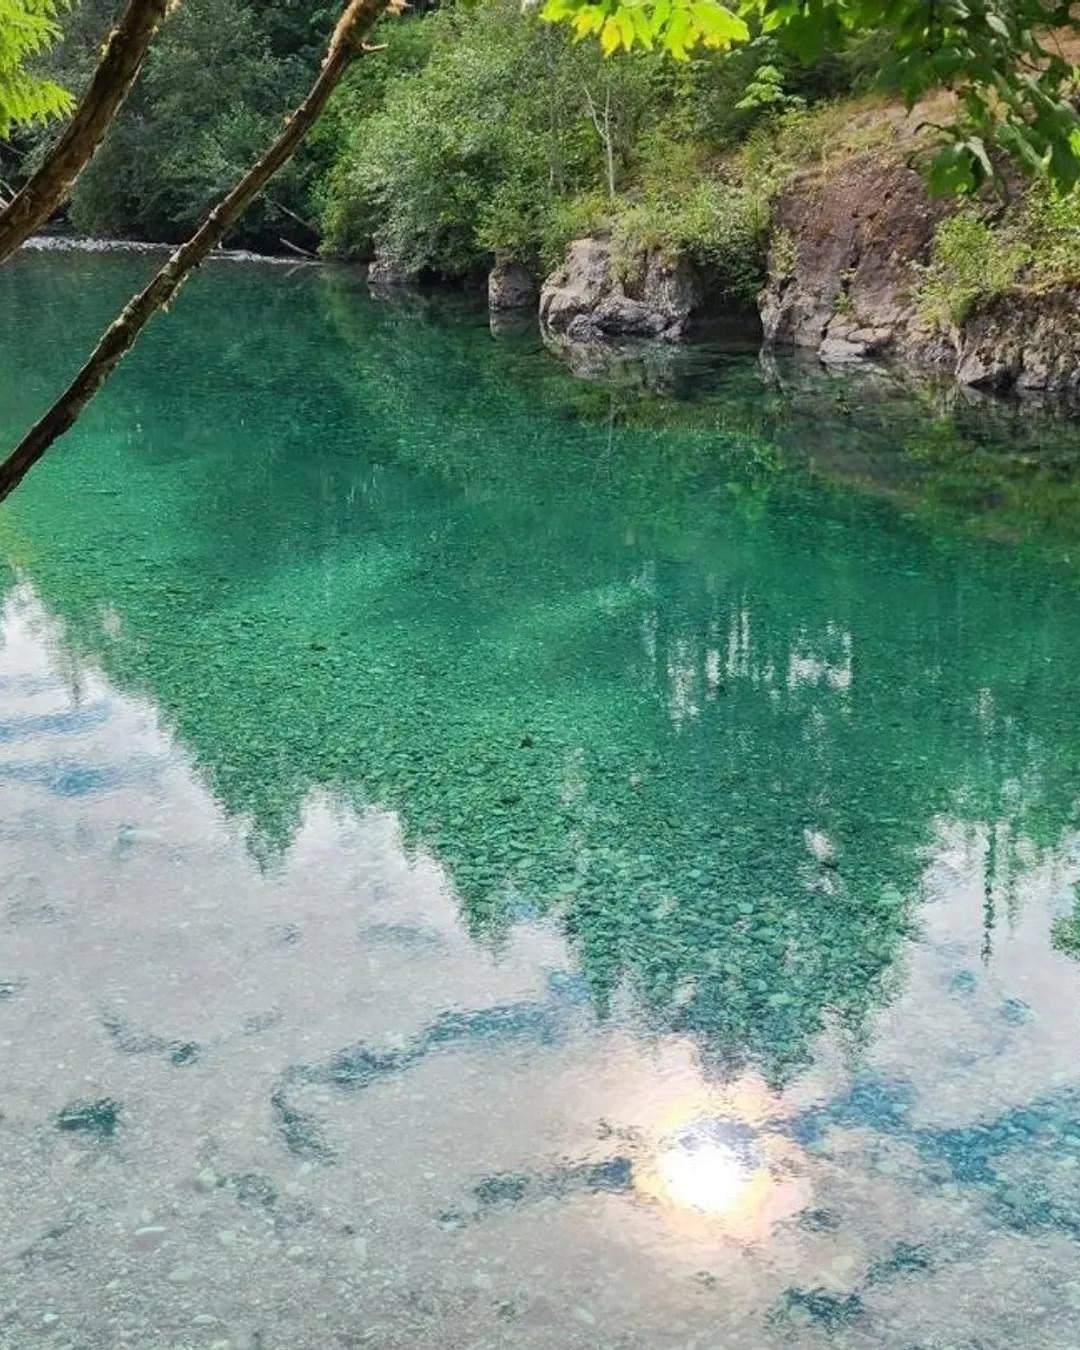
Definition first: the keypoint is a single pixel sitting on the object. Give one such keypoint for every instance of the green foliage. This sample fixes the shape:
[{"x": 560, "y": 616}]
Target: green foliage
[
  {"x": 683, "y": 206},
  {"x": 675, "y": 26},
  {"x": 766, "y": 91},
  {"x": 27, "y": 29},
  {"x": 482, "y": 133},
  {"x": 475, "y": 153},
  {"x": 1015, "y": 85},
  {"x": 1050, "y": 225},
  {"x": 340, "y": 212},
  {"x": 969, "y": 266},
  {"x": 504, "y": 139},
  {"x": 213, "y": 90},
  {"x": 567, "y": 218},
  {"x": 1034, "y": 245},
  {"x": 210, "y": 99},
  {"x": 783, "y": 253}
]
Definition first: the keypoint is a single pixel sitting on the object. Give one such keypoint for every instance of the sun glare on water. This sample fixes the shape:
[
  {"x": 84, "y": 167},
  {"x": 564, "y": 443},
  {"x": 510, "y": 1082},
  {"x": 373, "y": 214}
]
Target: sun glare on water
[
  {"x": 724, "y": 1165},
  {"x": 703, "y": 1173}
]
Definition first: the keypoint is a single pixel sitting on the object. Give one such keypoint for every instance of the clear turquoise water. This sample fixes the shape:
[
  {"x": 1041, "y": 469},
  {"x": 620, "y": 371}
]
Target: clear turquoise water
[{"x": 494, "y": 859}]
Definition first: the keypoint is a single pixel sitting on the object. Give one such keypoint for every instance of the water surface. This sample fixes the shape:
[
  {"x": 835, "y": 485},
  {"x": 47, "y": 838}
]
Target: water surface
[{"x": 496, "y": 860}]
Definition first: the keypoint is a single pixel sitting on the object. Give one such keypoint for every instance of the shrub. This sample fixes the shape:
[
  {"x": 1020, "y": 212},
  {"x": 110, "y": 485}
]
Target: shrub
[
  {"x": 971, "y": 263},
  {"x": 1051, "y": 226},
  {"x": 466, "y": 157},
  {"x": 510, "y": 140}
]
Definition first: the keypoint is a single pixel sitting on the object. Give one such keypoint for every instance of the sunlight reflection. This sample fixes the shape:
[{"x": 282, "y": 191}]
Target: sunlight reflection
[
  {"x": 719, "y": 1161},
  {"x": 708, "y": 1167}
]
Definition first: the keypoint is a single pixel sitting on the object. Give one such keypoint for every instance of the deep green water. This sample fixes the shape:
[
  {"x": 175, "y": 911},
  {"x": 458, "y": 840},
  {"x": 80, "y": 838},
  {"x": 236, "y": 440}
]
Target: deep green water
[{"x": 749, "y": 696}]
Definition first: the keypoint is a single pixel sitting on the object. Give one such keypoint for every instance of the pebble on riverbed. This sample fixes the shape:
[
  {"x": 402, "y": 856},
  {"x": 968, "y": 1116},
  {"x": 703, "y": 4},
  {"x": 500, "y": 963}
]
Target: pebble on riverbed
[{"x": 90, "y": 1117}]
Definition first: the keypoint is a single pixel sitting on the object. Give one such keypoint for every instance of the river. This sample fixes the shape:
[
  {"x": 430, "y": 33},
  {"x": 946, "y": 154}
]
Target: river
[{"x": 489, "y": 859}]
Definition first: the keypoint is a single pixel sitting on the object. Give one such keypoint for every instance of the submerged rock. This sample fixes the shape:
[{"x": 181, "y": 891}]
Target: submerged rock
[
  {"x": 825, "y": 1307},
  {"x": 96, "y": 1118}
]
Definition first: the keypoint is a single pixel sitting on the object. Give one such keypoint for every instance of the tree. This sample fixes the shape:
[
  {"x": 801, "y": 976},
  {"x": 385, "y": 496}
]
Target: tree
[
  {"x": 1004, "y": 59},
  {"x": 1001, "y": 56},
  {"x": 116, "y": 72},
  {"x": 209, "y": 100}
]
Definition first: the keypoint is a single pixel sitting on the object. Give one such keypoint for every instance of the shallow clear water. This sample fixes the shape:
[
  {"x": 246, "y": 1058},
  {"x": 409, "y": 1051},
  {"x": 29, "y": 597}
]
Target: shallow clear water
[{"x": 492, "y": 860}]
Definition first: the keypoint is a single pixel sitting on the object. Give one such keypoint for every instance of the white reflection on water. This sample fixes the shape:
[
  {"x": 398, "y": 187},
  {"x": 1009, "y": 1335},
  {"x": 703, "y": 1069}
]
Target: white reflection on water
[
  {"x": 132, "y": 920},
  {"x": 702, "y": 1170}
]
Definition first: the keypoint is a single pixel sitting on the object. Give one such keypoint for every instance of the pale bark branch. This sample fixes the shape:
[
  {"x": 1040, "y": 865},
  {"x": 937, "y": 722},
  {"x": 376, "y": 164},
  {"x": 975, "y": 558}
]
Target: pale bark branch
[
  {"x": 123, "y": 56},
  {"x": 117, "y": 340},
  {"x": 603, "y": 130}
]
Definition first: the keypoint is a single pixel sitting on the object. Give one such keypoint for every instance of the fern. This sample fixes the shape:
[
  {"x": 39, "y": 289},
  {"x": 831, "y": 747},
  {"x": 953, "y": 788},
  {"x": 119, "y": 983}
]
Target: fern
[{"x": 27, "y": 29}]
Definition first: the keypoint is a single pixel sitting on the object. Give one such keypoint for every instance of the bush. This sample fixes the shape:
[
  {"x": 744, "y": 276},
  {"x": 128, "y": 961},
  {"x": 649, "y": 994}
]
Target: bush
[
  {"x": 971, "y": 263},
  {"x": 466, "y": 157},
  {"x": 1051, "y": 227},
  {"x": 1033, "y": 245},
  {"x": 717, "y": 225},
  {"x": 510, "y": 140}
]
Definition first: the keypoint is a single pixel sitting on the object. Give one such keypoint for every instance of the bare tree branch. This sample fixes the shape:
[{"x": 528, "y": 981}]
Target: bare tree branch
[
  {"x": 603, "y": 130},
  {"x": 345, "y": 46},
  {"x": 123, "y": 56}
]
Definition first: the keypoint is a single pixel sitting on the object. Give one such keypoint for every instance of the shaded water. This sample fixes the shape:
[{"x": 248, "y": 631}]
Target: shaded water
[{"x": 490, "y": 860}]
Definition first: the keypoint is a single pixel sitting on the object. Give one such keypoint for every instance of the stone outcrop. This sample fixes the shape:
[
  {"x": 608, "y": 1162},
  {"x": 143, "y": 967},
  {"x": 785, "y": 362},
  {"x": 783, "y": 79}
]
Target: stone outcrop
[
  {"x": 386, "y": 274},
  {"x": 511, "y": 289},
  {"x": 1028, "y": 341},
  {"x": 842, "y": 269},
  {"x": 843, "y": 245},
  {"x": 587, "y": 299}
]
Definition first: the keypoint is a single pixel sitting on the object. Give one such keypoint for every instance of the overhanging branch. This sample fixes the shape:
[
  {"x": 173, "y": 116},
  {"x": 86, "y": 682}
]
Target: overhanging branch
[
  {"x": 346, "y": 45},
  {"x": 127, "y": 45}
]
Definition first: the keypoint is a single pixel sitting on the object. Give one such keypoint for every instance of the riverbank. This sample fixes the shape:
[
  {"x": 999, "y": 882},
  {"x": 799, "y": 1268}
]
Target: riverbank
[
  {"x": 73, "y": 243},
  {"x": 859, "y": 263}
]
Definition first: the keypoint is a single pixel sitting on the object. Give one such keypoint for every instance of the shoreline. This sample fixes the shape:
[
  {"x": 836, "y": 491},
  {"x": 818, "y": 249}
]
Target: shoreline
[{"x": 62, "y": 243}]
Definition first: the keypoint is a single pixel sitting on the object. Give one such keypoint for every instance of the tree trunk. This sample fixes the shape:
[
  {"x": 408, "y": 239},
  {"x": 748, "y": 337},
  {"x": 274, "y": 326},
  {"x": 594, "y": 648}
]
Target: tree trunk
[
  {"x": 127, "y": 45},
  {"x": 603, "y": 130},
  {"x": 117, "y": 340}
]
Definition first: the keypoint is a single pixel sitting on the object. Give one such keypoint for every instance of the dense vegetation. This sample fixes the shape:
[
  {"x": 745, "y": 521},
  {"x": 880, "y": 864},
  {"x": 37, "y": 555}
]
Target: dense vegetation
[
  {"x": 983, "y": 252},
  {"x": 483, "y": 133},
  {"x": 480, "y": 133},
  {"x": 210, "y": 98},
  {"x": 505, "y": 139}
]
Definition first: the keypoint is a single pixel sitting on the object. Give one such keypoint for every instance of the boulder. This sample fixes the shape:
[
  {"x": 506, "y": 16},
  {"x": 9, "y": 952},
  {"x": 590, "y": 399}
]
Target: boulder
[
  {"x": 586, "y": 301},
  {"x": 671, "y": 286},
  {"x": 511, "y": 289},
  {"x": 386, "y": 273},
  {"x": 1027, "y": 340},
  {"x": 575, "y": 289}
]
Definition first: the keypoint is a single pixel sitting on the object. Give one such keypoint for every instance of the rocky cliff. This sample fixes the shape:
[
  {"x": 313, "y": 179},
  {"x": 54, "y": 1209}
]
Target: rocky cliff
[
  {"x": 846, "y": 243},
  {"x": 842, "y": 245}
]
